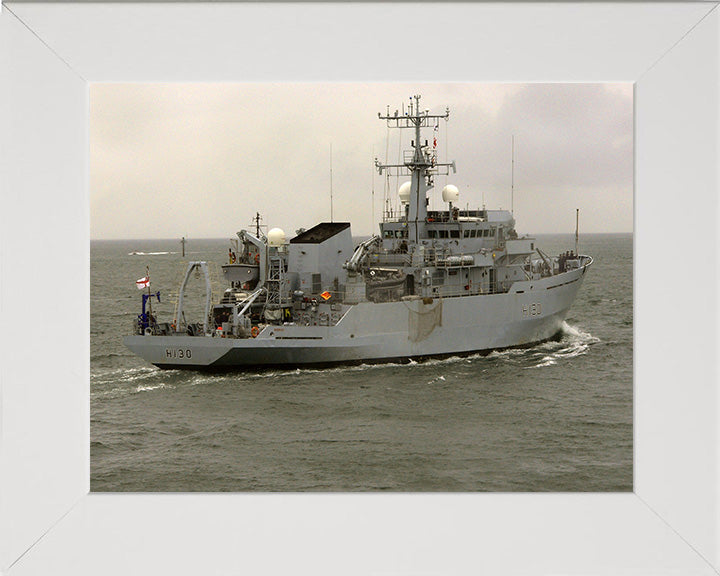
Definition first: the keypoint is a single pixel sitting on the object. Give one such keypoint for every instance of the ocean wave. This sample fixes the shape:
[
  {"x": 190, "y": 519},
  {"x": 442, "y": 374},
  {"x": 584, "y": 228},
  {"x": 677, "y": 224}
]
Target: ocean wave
[
  {"x": 123, "y": 374},
  {"x": 150, "y": 387},
  {"x": 117, "y": 382},
  {"x": 575, "y": 332},
  {"x": 546, "y": 361},
  {"x": 573, "y": 342},
  {"x": 126, "y": 391},
  {"x": 505, "y": 353}
]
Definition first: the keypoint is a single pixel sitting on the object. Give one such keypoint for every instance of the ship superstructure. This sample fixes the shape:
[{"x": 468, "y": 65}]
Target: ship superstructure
[{"x": 431, "y": 283}]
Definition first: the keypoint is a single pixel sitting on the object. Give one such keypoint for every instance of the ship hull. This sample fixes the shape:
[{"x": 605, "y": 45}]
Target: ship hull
[{"x": 531, "y": 312}]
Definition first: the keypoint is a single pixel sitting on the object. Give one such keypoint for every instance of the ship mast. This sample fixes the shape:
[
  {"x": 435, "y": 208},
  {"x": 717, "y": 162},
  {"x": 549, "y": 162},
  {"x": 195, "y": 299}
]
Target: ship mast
[
  {"x": 577, "y": 222},
  {"x": 512, "y": 179},
  {"x": 419, "y": 163}
]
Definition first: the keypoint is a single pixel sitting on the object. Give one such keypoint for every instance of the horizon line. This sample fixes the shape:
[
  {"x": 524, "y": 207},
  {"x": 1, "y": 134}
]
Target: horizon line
[{"x": 178, "y": 239}]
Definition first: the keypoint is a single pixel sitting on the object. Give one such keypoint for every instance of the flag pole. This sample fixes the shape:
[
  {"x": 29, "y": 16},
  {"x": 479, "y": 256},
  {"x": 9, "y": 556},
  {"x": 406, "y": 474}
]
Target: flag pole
[
  {"x": 331, "y": 190},
  {"x": 512, "y": 179},
  {"x": 577, "y": 220},
  {"x": 147, "y": 275}
]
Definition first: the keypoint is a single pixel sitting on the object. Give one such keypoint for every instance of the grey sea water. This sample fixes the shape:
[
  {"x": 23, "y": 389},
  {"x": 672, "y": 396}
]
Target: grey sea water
[{"x": 553, "y": 417}]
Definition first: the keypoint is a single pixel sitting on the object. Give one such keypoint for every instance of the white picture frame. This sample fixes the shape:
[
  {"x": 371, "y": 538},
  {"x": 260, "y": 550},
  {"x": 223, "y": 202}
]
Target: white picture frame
[{"x": 49, "y": 523}]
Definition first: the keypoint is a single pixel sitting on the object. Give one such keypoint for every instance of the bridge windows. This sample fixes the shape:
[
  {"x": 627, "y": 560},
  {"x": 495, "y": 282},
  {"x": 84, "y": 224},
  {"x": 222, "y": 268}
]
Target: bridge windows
[{"x": 395, "y": 233}]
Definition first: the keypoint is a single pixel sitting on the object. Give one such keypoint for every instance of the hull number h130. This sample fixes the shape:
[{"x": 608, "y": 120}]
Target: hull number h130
[
  {"x": 533, "y": 309},
  {"x": 178, "y": 353}
]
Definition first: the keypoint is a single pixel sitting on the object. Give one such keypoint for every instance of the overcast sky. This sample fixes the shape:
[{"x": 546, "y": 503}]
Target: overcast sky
[{"x": 198, "y": 160}]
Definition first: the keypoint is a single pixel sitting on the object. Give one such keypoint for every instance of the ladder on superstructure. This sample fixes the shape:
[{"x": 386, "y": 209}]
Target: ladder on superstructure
[{"x": 274, "y": 282}]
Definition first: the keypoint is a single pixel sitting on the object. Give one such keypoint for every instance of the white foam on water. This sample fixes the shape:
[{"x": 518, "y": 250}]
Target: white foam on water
[
  {"x": 507, "y": 353},
  {"x": 149, "y": 388},
  {"x": 118, "y": 392},
  {"x": 130, "y": 380},
  {"x": 574, "y": 342},
  {"x": 122, "y": 374},
  {"x": 576, "y": 332}
]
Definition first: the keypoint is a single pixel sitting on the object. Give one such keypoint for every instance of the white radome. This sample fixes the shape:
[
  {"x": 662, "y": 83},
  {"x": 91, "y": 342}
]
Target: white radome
[
  {"x": 450, "y": 193},
  {"x": 276, "y": 237}
]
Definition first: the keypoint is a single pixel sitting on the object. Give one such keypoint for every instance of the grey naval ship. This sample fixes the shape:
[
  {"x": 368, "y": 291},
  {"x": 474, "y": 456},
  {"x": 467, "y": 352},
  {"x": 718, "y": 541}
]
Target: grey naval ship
[{"x": 431, "y": 284}]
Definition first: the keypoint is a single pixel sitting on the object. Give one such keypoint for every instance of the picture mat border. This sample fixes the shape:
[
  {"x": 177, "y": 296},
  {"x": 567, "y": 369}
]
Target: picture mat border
[{"x": 568, "y": 529}]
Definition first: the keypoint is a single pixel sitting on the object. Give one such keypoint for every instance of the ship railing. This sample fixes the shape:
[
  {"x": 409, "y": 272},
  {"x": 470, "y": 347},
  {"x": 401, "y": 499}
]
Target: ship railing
[
  {"x": 445, "y": 216},
  {"x": 390, "y": 259},
  {"x": 442, "y": 259},
  {"x": 453, "y": 291},
  {"x": 438, "y": 290},
  {"x": 386, "y": 294},
  {"x": 150, "y": 327},
  {"x": 137, "y": 327},
  {"x": 457, "y": 292},
  {"x": 393, "y": 215}
]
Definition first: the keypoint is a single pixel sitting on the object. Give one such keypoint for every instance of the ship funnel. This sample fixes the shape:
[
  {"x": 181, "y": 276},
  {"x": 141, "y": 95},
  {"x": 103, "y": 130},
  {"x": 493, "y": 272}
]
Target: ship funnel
[
  {"x": 450, "y": 194},
  {"x": 404, "y": 192}
]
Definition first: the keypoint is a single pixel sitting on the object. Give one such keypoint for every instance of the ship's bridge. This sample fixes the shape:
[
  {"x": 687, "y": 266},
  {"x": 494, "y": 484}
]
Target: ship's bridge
[{"x": 495, "y": 226}]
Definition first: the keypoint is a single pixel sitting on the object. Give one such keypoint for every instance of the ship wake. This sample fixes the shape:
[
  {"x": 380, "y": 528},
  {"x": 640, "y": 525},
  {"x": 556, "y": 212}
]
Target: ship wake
[
  {"x": 571, "y": 342},
  {"x": 124, "y": 381}
]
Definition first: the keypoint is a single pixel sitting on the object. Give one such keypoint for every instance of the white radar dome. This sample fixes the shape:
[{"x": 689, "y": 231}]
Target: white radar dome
[
  {"x": 276, "y": 237},
  {"x": 404, "y": 192},
  {"x": 450, "y": 193}
]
